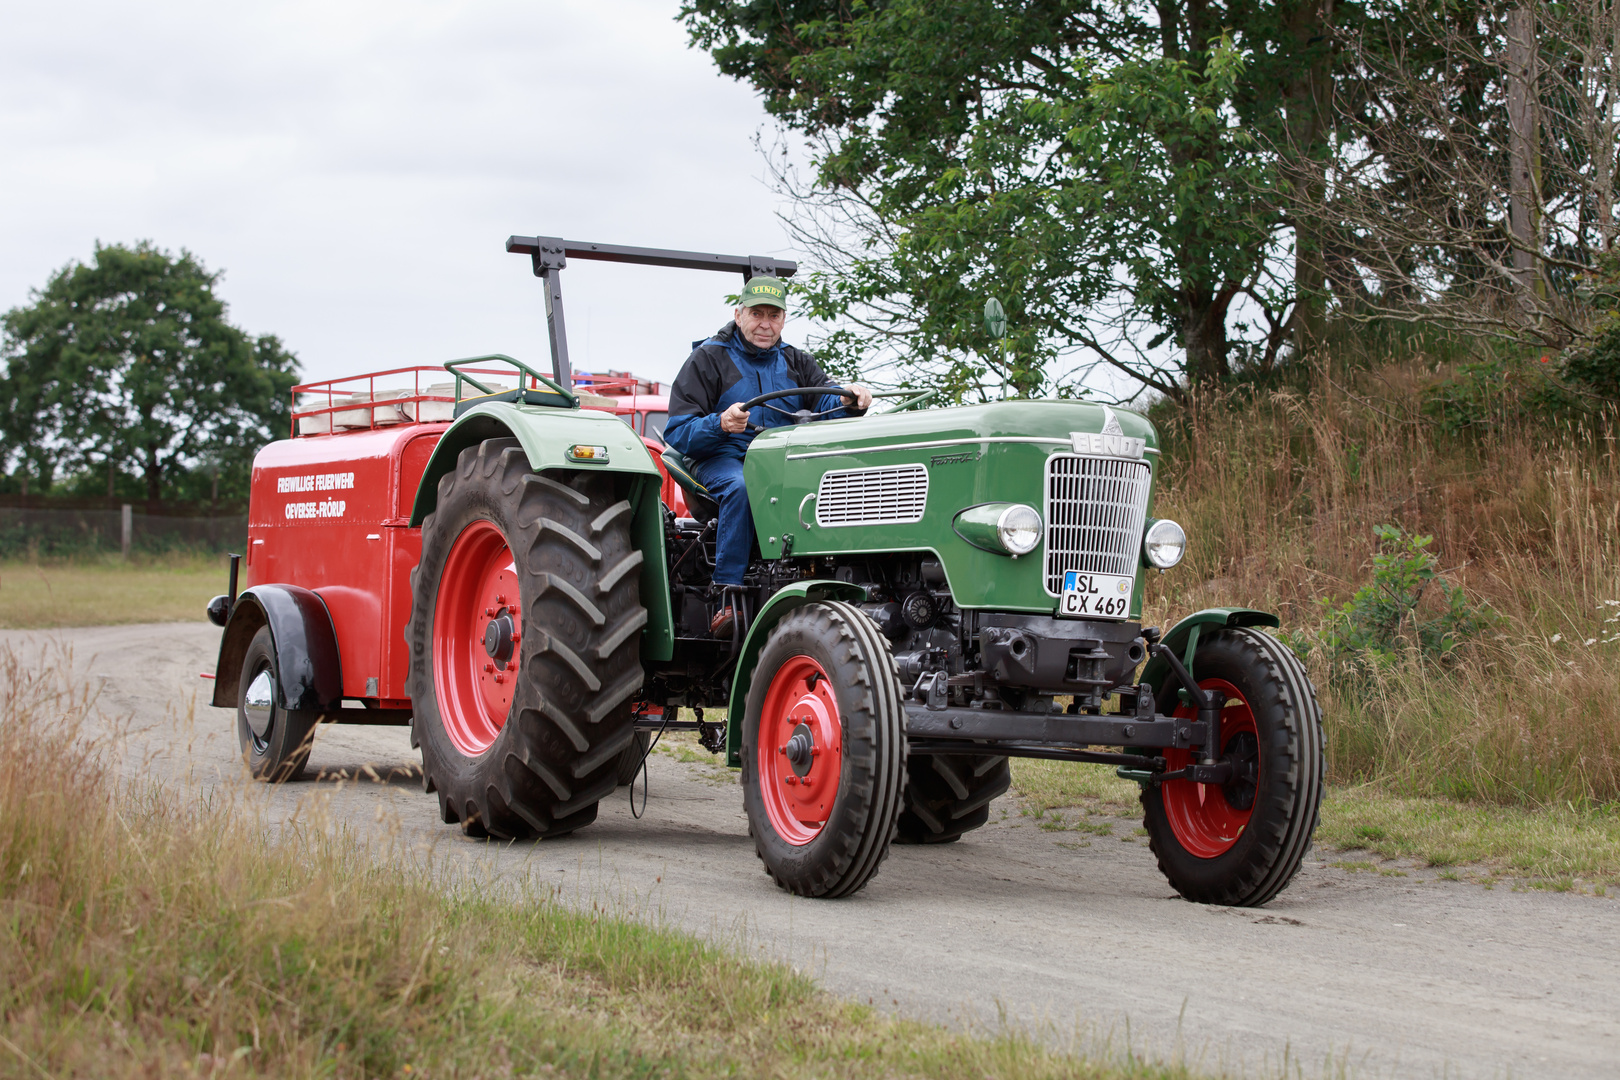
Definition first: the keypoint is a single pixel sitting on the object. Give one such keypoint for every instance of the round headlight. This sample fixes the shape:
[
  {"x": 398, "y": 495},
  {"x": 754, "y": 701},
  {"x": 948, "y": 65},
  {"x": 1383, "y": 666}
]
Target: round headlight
[
  {"x": 1165, "y": 544},
  {"x": 1019, "y": 529}
]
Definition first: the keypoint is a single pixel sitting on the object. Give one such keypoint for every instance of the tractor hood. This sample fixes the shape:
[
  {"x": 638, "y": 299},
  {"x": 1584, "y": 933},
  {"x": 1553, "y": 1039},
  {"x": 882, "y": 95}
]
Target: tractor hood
[{"x": 898, "y": 481}]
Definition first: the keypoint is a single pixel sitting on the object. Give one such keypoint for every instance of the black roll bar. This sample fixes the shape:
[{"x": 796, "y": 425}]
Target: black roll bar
[{"x": 550, "y": 254}]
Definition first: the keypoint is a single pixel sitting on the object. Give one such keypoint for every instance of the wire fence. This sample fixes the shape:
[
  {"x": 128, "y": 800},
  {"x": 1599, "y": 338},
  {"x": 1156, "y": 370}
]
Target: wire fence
[{"x": 32, "y": 531}]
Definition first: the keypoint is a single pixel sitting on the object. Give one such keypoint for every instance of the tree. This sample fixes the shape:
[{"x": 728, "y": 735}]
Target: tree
[
  {"x": 128, "y": 365},
  {"x": 1472, "y": 183},
  {"x": 1105, "y": 169}
]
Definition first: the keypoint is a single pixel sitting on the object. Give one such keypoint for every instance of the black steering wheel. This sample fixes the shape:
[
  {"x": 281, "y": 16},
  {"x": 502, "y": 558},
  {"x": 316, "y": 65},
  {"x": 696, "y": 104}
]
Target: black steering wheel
[{"x": 798, "y": 416}]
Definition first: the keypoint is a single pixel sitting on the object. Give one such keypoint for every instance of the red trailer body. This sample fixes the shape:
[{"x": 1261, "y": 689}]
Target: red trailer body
[
  {"x": 330, "y": 510},
  {"x": 332, "y": 513}
]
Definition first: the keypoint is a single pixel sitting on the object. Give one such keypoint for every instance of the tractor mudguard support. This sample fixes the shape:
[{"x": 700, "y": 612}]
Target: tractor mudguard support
[
  {"x": 546, "y": 434},
  {"x": 301, "y": 632},
  {"x": 1183, "y": 638},
  {"x": 796, "y": 595}
]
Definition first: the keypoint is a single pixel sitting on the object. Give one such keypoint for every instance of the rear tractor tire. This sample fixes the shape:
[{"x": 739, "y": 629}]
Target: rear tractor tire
[
  {"x": 630, "y": 761},
  {"x": 823, "y": 751},
  {"x": 525, "y": 639},
  {"x": 947, "y": 795},
  {"x": 275, "y": 742},
  {"x": 1240, "y": 844}
]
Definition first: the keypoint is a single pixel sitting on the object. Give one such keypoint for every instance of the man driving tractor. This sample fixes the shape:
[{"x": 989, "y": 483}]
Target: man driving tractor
[{"x": 707, "y": 423}]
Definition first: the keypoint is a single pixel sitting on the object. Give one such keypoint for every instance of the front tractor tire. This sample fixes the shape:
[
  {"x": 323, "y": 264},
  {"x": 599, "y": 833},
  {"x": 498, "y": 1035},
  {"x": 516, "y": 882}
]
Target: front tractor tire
[
  {"x": 1241, "y": 843},
  {"x": 525, "y": 638},
  {"x": 823, "y": 751}
]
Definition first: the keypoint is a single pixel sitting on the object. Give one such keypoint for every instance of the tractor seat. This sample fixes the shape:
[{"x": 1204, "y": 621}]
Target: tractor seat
[{"x": 698, "y": 499}]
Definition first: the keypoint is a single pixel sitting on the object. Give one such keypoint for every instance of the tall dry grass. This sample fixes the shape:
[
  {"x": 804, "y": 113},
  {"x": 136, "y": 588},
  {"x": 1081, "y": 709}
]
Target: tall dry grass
[
  {"x": 1279, "y": 492},
  {"x": 141, "y": 935}
]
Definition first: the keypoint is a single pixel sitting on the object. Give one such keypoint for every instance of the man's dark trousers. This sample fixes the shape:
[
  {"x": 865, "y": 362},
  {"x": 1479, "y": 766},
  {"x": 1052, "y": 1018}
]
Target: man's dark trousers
[{"x": 723, "y": 476}]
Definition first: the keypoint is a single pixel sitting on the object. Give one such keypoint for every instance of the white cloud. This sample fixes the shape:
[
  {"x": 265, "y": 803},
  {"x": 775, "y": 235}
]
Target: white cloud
[{"x": 355, "y": 166}]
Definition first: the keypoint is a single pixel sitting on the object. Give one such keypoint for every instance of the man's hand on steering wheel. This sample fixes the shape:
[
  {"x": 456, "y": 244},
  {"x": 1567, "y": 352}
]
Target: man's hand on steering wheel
[{"x": 857, "y": 394}]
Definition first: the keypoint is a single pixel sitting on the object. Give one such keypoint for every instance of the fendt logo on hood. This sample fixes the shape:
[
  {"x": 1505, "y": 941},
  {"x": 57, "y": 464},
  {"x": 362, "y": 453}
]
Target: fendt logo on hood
[{"x": 1111, "y": 441}]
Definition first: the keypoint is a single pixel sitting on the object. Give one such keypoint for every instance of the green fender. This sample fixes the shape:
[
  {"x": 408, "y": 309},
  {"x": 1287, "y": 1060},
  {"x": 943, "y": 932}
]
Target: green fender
[
  {"x": 546, "y": 433},
  {"x": 796, "y": 595},
  {"x": 1183, "y": 637}
]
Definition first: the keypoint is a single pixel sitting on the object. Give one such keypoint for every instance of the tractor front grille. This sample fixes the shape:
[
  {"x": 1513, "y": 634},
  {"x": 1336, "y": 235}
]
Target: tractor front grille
[
  {"x": 1095, "y": 510},
  {"x": 891, "y": 495}
]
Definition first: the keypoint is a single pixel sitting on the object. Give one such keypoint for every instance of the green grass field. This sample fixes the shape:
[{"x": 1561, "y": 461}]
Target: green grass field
[
  {"x": 107, "y": 592},
  {"x": 1553, "y": 847}
]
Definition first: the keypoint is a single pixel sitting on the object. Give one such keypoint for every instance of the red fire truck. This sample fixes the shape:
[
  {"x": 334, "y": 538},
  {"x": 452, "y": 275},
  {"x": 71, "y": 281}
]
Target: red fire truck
[{"x": 641, "y": 403}]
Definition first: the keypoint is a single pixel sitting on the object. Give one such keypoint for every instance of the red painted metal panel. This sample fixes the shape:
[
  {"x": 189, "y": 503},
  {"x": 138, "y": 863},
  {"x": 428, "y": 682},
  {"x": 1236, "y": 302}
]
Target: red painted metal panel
[
  {"x": 404, "y": 552},
  {"x": 326, "y": 513},
  {"x": 668, "y": 490},
  {"x": 329, "y": 512}
]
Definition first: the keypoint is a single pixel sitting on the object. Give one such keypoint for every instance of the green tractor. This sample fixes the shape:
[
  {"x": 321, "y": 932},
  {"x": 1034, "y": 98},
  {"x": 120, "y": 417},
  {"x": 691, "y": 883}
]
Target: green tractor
[{"x": 936, "y": 591}]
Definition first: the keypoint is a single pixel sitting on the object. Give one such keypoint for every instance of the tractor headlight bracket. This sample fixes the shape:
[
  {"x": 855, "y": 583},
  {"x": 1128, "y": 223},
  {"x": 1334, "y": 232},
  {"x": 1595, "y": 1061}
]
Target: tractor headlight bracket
[{"x": 1005, "y": 528}]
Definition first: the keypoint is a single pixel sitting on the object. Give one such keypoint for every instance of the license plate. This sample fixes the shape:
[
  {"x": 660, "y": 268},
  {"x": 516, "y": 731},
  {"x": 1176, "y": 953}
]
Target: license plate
[{"x": 1095, "y": 596}]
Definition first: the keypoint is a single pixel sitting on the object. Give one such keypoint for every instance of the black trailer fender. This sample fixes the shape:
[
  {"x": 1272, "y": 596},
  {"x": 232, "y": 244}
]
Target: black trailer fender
[
  {"x": 311, "y": 675},
  {"x": 1182, "y": 638}
]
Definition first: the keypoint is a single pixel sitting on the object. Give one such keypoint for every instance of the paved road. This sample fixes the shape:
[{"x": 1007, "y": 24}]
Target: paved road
[{"x": 1389, "y": 976}]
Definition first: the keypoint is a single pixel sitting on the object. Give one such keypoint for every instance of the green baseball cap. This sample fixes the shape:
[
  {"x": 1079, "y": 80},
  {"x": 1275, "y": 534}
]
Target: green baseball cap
[{"x": 764, "y": 290}]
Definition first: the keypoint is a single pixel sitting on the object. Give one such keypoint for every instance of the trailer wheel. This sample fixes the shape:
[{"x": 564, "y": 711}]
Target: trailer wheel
[
  {"x": 525, "y": 638},
  {"x": 275, "y": 742},
  {"x": 1242, "y": 843},
  {"x": 947, "y": 795},
  {"x": 824, "y": 751}
]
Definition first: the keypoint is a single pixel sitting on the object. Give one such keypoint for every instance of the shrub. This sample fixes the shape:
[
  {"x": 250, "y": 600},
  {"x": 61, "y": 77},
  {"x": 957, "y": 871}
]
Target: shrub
[
  {"x": 1385, "y": 616},
  {"x": 1592, "y": 365},
  {"x": 1595, "y": 364},
  {"x": 1497, "y": 393}
]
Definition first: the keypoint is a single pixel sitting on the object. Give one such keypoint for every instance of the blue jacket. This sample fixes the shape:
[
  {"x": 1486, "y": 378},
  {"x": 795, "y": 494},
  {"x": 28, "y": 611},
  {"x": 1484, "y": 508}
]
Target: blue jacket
[{"x": 727, "y": 370}]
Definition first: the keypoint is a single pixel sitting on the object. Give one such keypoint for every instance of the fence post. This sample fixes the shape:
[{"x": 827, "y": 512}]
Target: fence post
[{"x": 128, "y": 521}]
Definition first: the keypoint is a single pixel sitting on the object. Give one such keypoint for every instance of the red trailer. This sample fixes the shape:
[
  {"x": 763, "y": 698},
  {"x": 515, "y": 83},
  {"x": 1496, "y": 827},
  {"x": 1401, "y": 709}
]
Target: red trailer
[{"x": 330, "y": 509}]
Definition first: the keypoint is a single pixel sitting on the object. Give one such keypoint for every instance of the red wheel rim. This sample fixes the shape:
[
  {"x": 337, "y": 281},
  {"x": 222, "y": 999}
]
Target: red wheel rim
[
  {"x": 799, "y": 787},
  {"x": 478, "y": 587},
  {"x": 1203, "y": 820}
]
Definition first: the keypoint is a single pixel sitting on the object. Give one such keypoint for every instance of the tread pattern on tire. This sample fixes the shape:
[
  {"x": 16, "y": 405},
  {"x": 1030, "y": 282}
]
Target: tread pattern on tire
[
  {"x": 840, "y": 862},
  {"x": 631, "y": 757},
  {"x": 1274, "y": 845},
  {"x": 558, "y": 753},
  {"x": 948, "y": 795}
]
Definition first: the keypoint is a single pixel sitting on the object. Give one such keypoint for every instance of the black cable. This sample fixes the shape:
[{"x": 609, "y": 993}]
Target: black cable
[{"x": 641, "y": 770}]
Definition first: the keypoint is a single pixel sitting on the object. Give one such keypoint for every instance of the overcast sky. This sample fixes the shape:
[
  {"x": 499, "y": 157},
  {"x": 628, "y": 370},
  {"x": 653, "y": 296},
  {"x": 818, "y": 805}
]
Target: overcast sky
[{"x": 355, "y": 166}]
